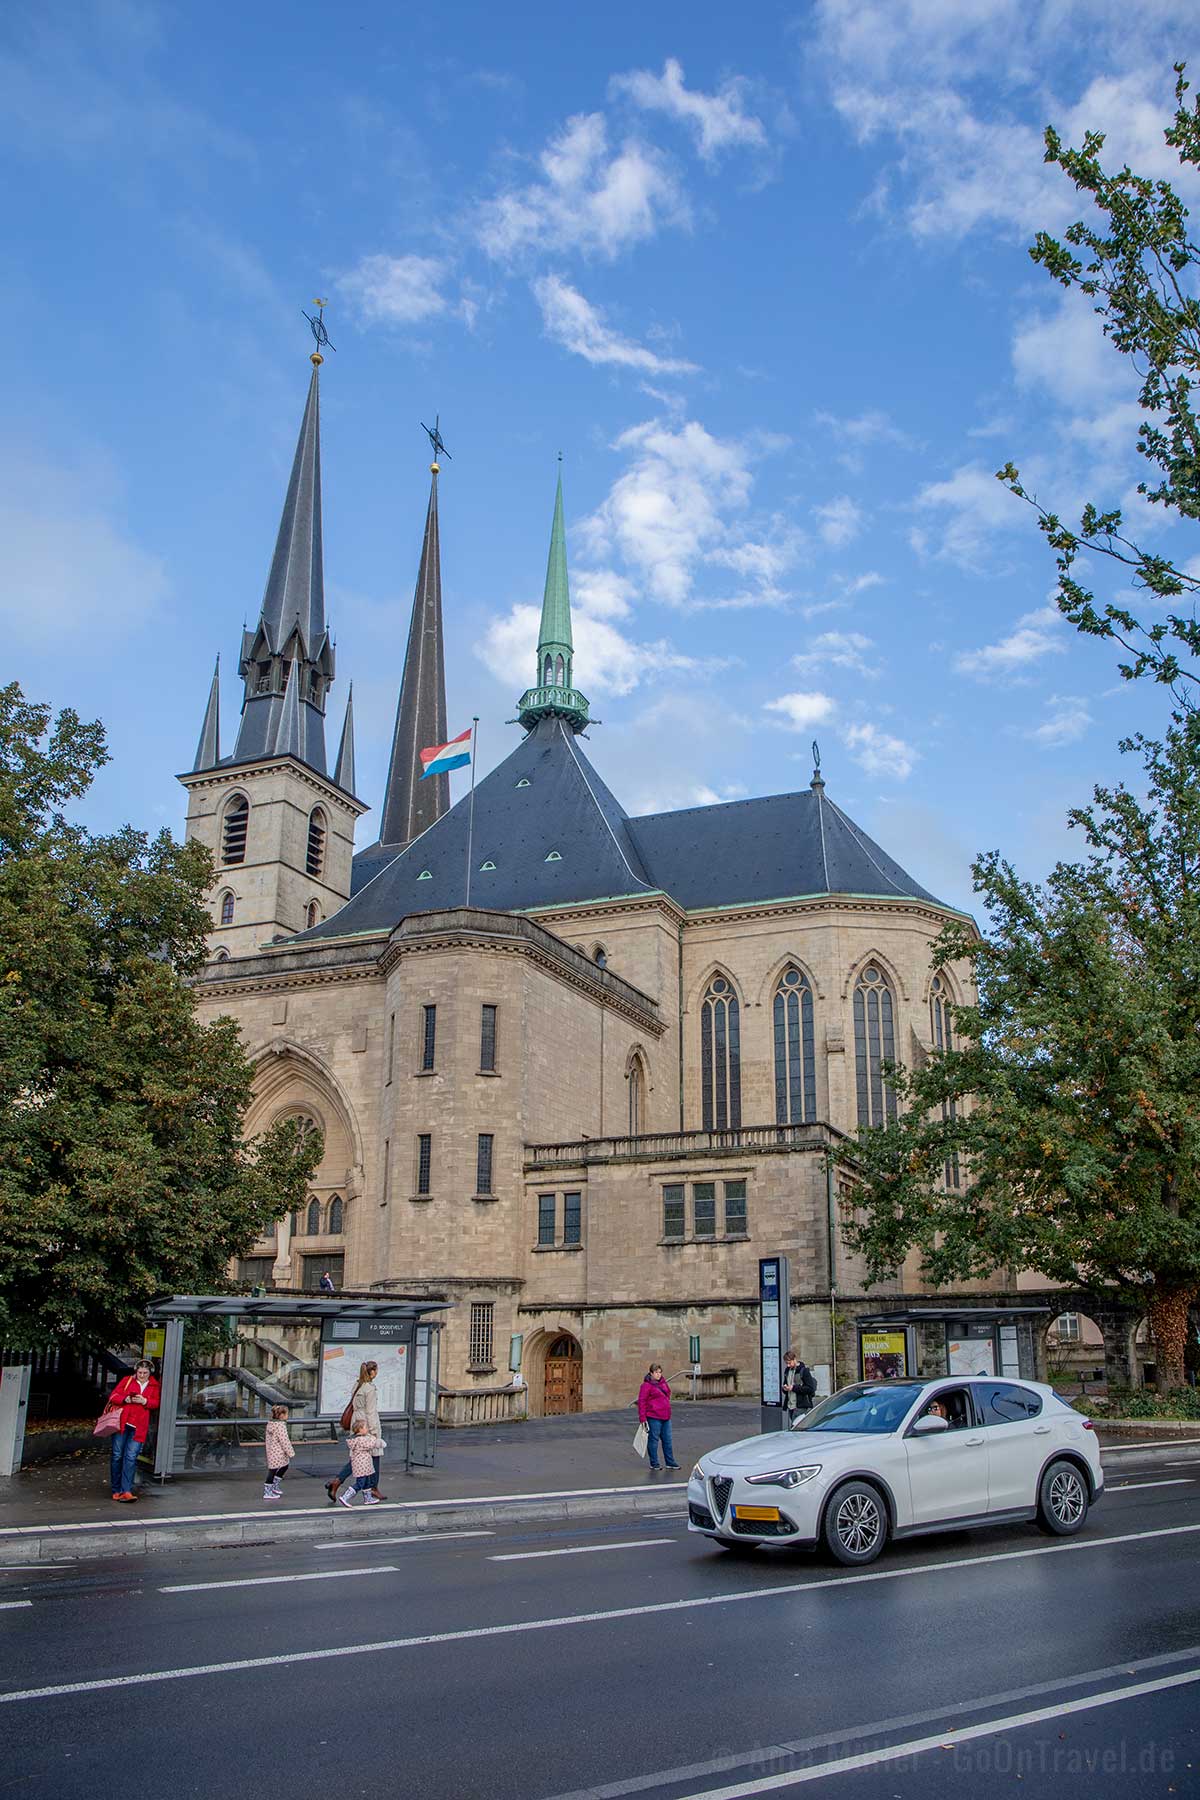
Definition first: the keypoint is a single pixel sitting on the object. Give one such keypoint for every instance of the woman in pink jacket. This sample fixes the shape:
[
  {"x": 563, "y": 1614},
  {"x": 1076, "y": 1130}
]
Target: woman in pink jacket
[{"x": 654, "y": 1411}]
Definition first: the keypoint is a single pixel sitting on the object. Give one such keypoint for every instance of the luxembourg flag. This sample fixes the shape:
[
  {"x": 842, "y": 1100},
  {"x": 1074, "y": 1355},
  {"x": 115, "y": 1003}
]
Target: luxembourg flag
[{"x": 439, "y": 759}]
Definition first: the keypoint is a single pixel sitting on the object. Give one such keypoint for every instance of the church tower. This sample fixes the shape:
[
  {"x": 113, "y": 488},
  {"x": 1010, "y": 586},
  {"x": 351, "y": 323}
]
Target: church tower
[
  {"x": 280, "y": 828},
  {"x": 553, "y": 696}
]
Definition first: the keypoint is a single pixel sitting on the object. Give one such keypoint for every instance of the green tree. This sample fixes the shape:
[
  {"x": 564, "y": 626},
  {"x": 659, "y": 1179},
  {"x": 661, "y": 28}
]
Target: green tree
[
  {"x": 1135, "y": 259},
  {"x": 1071, "y": 1096},
  {"x": 122, "y": 1167}
]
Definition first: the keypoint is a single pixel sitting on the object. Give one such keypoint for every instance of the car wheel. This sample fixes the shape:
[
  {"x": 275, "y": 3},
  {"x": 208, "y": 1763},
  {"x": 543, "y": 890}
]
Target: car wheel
[
  {"x": 1063, "y": 1500},
  {"x": 856, "y": 1523}
]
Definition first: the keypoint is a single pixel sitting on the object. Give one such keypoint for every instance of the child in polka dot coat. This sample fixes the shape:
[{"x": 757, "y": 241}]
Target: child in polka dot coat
[
  {"x": 279, "y": 1450},
  {"x": 364, "y": 1445}
]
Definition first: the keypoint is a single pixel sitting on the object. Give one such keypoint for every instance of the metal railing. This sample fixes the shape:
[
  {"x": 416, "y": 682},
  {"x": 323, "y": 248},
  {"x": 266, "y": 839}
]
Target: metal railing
[{"x": 661, "y": 1145}]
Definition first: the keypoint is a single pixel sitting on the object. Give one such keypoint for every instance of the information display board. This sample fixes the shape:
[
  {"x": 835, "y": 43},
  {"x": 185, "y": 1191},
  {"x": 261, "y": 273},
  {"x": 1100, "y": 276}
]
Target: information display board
[
  {"x": 971, "y": 1356},
  {"x": 348, "y": 1343},
  {"x": 774, "y": 1330}
]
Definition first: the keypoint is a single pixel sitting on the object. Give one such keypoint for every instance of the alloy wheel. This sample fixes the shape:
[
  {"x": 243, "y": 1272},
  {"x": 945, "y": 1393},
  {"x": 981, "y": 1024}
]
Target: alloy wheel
[
  {"x": 1066, "y": 1498},
  {"x": 859, "y": 1523}
]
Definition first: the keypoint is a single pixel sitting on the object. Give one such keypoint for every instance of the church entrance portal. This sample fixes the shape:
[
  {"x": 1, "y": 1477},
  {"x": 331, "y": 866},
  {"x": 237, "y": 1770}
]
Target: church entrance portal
[{"x": 564, "y": 1377}]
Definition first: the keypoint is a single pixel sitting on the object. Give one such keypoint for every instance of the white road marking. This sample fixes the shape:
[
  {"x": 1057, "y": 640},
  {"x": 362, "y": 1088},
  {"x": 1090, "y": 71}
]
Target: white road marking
[
  {"x": 1184, "y": 1462},
  {"x": 1133, "y": 1487},
  {"x": 203, "y": 1587},
  {"x": 413, "y": 1537},
  {"x": 471, "y": 1633},
  {"x": 579, "y": 1550},
  {"x": 148, "y": 1522},
  {"x": 1159, "y": 1444},
  {"x": 941, "y": 1740},
  {"x": 11, "y": 1605}
]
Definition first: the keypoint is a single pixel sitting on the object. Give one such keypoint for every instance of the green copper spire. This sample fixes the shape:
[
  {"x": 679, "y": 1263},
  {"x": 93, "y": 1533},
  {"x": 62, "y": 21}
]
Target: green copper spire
[{"x": 553, "y": 695}]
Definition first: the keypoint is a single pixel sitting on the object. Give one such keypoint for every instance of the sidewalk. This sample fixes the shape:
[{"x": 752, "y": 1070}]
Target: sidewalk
[{"x": 580, "y": 1465}]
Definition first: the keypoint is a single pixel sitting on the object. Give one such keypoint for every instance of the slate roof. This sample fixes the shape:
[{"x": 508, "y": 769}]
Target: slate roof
[{"x": 546, "y": 801}]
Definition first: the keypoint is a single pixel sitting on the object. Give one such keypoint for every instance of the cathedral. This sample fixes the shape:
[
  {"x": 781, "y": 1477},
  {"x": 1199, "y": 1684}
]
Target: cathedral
[{"x": 575, "y": 1071}]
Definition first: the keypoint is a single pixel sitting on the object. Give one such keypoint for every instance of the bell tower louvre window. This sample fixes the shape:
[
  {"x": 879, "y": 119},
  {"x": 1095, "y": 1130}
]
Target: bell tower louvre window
[
  {"x": 314, "y": 859},
  {"x": 233, "y": 830}
]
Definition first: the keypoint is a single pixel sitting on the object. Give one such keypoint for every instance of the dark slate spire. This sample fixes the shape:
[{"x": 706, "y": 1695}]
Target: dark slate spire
[
  {"x": 412, "y": 802},
  {"x": 287, "y": 662},
  {"x": 553, "y": 694},
  {"x": 343, "y": 771},
  {"x": 208, "y": 750}
]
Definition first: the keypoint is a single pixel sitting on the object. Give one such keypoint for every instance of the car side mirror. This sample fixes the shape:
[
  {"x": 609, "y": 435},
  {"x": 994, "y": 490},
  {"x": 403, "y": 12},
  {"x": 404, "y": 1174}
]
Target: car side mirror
[{"x": 929, "y": 1425}]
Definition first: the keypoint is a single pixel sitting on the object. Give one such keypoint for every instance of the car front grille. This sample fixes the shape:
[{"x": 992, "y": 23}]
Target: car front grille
[
  {"x": 722, "y": 1487},
  {"x": 755, "y": 1528}
]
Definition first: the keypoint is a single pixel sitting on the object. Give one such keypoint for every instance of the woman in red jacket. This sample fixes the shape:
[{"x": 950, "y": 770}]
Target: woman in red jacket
[
  {"x": 137, "y": 1395},
  {"x": 654, "y": 1411}
]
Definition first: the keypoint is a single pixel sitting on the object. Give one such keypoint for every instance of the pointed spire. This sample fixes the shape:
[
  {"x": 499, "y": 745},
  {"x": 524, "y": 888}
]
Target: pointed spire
[
  {"x": 553, "y": 693},
  {"x": 290, "y": 645},
  {"x": 343, "y": 773},
  {"x": 208, "y": 750},
  {"x": 413, "y": 801}
]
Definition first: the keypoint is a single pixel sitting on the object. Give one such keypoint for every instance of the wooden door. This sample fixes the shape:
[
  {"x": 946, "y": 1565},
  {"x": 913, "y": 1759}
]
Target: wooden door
[{"x": 564, "y": 1378}]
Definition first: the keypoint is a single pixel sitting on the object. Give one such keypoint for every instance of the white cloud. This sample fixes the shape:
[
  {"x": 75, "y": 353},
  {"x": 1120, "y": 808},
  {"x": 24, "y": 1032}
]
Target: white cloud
[
  {"x": 614, "y": 663},
  {"x": 800, "y": 712},
  {"x": 974, "y": 505},
  {"x": 587, "y": 197},
  {"x": 395, "y": 290},
  {"x": 879, "y": 753},
  {"x": 719, "y": 121},
  {"x": 1067, "y": 718},
  {"x": 837, "y": 650},
  {"x": 871, "y": 427},
  {"x": 1065, "y": 353},
  {"x": 839, "y": 521},
  {"x": 1035, "y": 635},
  {"x": 577, "y": 325},
  {"x": 679, "y": 509},
  {"x": 68, "y": 561}
]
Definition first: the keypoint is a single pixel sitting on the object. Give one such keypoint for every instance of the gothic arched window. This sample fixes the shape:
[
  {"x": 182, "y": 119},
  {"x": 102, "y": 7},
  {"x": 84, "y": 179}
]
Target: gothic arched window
[
  {"x": 720, "y": 1057},
  {"x": 314, "y": 859},
  {"x": 548, "y": 670},
  {"x": 558, "y": 671},
  {"x": 227, "y": 906},
  {"x": 312, "y": 915},
  {"x": 795, "y": 1053},
  {"x": 312, "y": 1224},
  {"x": 233, "y": 829},
  {"x": 637, "y": 1093},
  {"x": 874, "y": 1044},
  {"x": 335, "y": 1216},
  {"x": 942, "y": 1031}
]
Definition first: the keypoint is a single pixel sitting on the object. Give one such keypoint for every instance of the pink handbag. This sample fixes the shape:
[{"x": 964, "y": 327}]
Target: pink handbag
[{"x": 108, "y": 1423}]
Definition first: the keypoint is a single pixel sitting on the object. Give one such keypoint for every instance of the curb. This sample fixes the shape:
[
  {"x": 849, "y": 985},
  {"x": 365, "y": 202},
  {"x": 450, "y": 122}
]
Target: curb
[
  {"x": 1147, "y": 1427},
  {"x": 25, "y": 1544}
]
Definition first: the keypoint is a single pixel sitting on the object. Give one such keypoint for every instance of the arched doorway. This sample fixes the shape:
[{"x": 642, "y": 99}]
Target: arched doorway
[
  {"x": 1074, "y": 1347},
  {"x": 563, "y": 1390}
]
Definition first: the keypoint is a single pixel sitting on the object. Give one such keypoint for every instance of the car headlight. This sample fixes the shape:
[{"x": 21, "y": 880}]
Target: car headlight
[
  {"x": 785, "y": 1478},
  {"x": 698, "y": 1473}
]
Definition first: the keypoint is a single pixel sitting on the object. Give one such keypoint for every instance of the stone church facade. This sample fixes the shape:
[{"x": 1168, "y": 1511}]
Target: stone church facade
[{"x": 582, "y": 1105}]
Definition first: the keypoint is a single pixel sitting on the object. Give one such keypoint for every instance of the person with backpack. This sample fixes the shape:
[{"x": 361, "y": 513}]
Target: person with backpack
[{"x": 799, "y": 1386}]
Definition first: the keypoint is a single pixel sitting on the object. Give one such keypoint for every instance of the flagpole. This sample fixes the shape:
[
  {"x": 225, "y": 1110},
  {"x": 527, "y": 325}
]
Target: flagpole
[{"x": 471, "y": 805}]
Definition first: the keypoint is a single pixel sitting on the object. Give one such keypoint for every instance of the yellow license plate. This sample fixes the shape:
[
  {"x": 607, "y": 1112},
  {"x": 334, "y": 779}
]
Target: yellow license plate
[{"x": 756, "y": 1512}]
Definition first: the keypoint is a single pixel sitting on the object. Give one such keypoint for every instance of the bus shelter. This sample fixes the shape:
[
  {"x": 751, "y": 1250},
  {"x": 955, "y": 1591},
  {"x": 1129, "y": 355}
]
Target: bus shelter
[{"x": 227, "y": 1359}]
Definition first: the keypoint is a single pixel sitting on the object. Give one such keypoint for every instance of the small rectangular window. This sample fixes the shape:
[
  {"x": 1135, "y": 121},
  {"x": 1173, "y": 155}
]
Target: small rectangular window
[
  {"x": 391, "y": 1049},
  {"x": 424, "y": 1162},
  {"x": 483, "y": 1164},
  {"x": 480, "y": 1353},
  {"x": 673, "y": 1211},
  {"x": 546, "y": 1216},
  {"x": 735, "y": 1209},
  {"x": 572, "y": 1217},
  {"x": 428, "y": 1036},
  {"x": 487, "y": 1040},
  {"x": 704, "y": 1205}
]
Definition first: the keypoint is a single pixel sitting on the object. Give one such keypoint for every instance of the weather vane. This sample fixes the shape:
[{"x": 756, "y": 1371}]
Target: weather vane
[
  {"x": 435, "y": 438},
  {"x": 317, "y": 326},
  {"x": 816, "y": 749}
]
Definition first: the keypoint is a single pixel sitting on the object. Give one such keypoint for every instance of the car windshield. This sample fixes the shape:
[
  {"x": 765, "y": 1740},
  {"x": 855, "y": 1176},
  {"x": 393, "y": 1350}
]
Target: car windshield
[{"x": 877, "y": 1406}]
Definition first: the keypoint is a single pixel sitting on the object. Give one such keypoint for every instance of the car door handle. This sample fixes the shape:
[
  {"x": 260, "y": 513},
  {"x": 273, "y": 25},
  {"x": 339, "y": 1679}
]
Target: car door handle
[
  {"x": 1040, "y": 1430},
  {"x": 973, "y": 1440}
]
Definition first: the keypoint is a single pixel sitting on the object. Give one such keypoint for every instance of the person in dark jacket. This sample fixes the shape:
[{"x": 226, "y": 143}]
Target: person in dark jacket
[
  {"x": 137, "y": 1395},
  {"x": 654, "y": 1412},
  {"x": 798, "y": 1384}
]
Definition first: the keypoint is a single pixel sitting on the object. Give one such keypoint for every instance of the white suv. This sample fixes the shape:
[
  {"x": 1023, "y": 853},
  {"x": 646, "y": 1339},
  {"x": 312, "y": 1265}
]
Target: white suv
[{"x": 893, "y": 1458}]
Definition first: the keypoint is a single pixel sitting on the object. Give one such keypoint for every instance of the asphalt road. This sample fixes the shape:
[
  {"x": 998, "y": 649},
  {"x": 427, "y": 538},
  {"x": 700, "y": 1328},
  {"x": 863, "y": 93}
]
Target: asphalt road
[{"x": 629, "y": 1659}]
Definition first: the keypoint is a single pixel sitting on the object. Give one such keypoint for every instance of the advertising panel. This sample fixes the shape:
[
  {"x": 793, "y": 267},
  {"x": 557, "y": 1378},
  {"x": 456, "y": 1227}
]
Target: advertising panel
[
  {"x": 347, "y": 1344},
  {"x": 884, "y": 1355}
]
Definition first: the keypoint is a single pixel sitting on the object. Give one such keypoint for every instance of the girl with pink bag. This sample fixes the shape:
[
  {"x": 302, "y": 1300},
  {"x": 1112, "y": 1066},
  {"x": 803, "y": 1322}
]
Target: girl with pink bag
[{"x": 136, "y": 1396}]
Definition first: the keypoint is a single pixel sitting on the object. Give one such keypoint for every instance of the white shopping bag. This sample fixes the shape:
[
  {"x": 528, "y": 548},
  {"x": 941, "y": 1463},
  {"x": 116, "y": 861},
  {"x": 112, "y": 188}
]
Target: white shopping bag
[{"x": 641, "y": 1438}]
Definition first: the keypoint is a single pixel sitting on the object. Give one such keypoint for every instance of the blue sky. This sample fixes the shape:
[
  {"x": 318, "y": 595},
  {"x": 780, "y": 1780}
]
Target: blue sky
[{"x": 761, "y": 276}]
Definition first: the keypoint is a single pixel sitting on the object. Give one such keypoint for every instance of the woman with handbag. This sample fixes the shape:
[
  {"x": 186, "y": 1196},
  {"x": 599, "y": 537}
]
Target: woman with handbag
[
  {"x": 362, "y": 1404},
  {"x": 654, "y": 1412},
  {"x": 136, "y": 1396}
]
